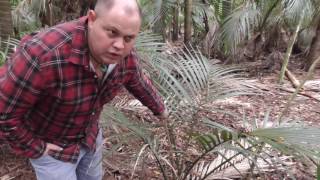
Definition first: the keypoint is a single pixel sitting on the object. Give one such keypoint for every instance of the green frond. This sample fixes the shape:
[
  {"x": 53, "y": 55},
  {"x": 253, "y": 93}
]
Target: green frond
[
  {"x": 113, "y": 118},
  {"x": 149, "y": 42},
  {"x": 228, "y": 154},
  {"x": 186, "y": 79},
  {"x": 212, "y": 140},
  {"x": 240, "y": 25},
  {"x": 294, "y": 10},
  {"x": 25, "y": 15},
  {"x": 289, "y": 138},
  {"x": 153, "y": 11},
  {"x": 8, "y": 46}
]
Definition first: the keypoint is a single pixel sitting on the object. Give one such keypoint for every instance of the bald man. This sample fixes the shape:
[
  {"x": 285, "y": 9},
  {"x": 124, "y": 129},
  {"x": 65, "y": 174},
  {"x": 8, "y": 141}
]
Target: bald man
[{"x": 53, "y": 88}]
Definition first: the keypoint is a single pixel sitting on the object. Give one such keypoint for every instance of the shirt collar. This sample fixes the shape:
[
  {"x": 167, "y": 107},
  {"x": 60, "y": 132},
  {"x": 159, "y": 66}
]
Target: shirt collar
[{"x": 79, "y": 45}]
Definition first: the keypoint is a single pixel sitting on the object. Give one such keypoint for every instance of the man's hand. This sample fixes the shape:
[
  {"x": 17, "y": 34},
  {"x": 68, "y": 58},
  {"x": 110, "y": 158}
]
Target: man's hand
[
  {"x": 51, "y": 147},
  {"x": 164, "y": 115}
]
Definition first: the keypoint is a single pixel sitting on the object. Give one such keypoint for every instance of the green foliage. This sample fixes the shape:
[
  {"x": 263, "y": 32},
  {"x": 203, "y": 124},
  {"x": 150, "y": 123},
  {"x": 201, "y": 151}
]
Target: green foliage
[
  {"x": 14, "y": 3},
  {"x": 155, "y": 12},
  {"x": 216, "y": 138},
  {"x": 318, "y": 172},
  {"x": 251, "y": 17},
  {"x": 26, "y": 16},
  {"x": 6, "y": 48},
  {"x": 189, "y": 84}
]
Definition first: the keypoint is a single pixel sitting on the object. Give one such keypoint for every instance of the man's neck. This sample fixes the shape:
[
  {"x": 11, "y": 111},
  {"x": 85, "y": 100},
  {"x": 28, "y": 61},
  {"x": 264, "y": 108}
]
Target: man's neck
[{"x": 97, "y": 67}]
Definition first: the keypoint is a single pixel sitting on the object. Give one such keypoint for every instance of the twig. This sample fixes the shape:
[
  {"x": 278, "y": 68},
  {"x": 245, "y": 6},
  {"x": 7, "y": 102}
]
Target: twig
[
  {"x": 138, "y": 158},
  {"x": 113, "y": 167}
]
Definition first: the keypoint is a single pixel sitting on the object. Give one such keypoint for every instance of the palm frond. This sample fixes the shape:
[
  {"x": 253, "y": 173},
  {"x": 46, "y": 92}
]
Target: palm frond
[
  {"x": 240, "y": 25},
  {"x": 9, "y": 46},
  {"x": 318, "y": 172},
  {"x": 153, "y": 11},
  {"x": 244, "y": 167},
  {"x": 227, "y": 154},
  {"x": 290, "y": 139},
  {"x": 262, "y": 141},
  {"x": 186, "y": 79},
  {"x": 149, "y": 42},
  {"x": 294, "y": 10},
  {"x": 24, "y": 15},
  {"x": 112, "y": 118}
]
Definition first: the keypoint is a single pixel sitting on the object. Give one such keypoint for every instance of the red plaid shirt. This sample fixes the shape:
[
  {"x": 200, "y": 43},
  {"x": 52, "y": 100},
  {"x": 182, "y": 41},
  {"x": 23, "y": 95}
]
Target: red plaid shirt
[{"x": 49, "y": 93}]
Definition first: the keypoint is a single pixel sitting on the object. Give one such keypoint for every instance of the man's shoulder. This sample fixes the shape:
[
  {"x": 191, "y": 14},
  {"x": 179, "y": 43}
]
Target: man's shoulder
[
  {"x": 55, "y": 36},
  {"x": 132, "y": 61},
  {"x": 73, "y": 26},
  {"x": 48, "y": 42}
]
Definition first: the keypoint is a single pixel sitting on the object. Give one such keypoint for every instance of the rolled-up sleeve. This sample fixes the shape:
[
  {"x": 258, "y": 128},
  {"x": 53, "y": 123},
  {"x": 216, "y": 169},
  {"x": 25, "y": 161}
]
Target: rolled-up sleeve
[{"x": 142, "y": 88}]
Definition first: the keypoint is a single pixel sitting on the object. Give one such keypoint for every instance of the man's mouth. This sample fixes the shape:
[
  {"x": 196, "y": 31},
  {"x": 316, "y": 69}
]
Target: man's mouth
[{"x": 115, "y": 55}]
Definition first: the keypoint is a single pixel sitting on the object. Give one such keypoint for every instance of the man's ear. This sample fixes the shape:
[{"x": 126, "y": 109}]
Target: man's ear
[{"x": 92, "y": 16}]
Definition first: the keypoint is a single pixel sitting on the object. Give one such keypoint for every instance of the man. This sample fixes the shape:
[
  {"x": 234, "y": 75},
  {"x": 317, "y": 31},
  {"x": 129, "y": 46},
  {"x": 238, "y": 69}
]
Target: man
[{"x": 53, "y": 89}]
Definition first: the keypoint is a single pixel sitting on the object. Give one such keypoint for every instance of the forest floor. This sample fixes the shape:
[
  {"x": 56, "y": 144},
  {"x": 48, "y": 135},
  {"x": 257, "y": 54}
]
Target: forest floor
[{"x": 273, "y": 99}]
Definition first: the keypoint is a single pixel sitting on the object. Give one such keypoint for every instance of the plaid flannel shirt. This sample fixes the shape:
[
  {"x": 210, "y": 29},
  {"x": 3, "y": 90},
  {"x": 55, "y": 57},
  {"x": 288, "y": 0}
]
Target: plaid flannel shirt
[{"x": 49, "y": 93}]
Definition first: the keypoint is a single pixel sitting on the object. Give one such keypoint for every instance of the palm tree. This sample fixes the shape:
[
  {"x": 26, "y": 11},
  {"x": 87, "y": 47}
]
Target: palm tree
[
  {"x": 175, "y": 23},
  {"x": 259, "y": 18},
  {"x": 6, "y": 27},
  {"x": 190, "y": 85}
]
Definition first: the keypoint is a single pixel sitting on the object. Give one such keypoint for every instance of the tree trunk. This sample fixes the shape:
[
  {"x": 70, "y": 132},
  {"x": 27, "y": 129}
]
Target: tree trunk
[
  {"x": 187, "y": 21},
  {"x": 6, "y": 27},
  {"x": 175, "y": 27},
  {"x": 314, "y": 49}
]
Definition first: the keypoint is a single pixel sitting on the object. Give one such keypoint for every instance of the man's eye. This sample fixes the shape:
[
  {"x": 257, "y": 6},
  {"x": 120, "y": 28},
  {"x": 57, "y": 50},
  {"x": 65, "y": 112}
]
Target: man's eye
[
  {"x": 128, "y": 39},
  {"x": 111, "y": 33}
]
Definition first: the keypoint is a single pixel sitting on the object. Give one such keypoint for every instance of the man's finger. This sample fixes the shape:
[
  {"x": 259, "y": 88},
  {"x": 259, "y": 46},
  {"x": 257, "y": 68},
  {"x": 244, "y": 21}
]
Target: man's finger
[{"x": 54, "y": 147}]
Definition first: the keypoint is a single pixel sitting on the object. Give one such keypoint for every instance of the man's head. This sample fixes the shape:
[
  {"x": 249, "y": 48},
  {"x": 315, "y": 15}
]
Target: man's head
[{"x": 112, "y": 29}]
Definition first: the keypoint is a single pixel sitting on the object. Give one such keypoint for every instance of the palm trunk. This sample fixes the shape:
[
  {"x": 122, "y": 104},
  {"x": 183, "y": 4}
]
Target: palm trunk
[
  {"x": 187, "y": 21},
  {"x": 314, "y": 49},
  {"x": 175, "y": 27},
  {"x": 6, "y": 27},
  {"x": 289, "y": 51}
]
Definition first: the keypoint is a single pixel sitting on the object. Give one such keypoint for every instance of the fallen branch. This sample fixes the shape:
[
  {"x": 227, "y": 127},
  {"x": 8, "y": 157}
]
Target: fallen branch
[
  {"x": 298, "y": 89},
  {"x": 300, "y": 93},
  {"x": 294, "y": 81}
]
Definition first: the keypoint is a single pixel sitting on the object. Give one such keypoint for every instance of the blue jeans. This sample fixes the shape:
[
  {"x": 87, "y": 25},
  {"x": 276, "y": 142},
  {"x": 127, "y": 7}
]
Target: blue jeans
[{"x": 88, "y": 167}]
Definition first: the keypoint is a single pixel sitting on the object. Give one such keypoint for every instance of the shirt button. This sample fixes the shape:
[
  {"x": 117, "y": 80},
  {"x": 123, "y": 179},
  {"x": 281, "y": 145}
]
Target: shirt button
[
  {"x": 95, "y": 76},
  {"x": 93, "y": 113}
]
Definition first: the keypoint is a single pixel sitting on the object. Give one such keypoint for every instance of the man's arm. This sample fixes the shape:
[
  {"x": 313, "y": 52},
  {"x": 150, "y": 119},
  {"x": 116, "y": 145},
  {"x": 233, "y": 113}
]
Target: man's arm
[
  {"x": 141, "y": 87},
  {"x": 20, "y": 86}
]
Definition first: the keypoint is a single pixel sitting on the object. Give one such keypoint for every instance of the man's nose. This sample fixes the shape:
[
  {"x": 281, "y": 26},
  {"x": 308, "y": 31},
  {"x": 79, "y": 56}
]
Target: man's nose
[{"x": 119, "y": 43}]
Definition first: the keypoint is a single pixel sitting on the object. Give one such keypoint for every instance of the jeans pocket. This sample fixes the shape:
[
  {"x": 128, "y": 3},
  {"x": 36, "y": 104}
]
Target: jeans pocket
[{"x": 42, "y": 158}]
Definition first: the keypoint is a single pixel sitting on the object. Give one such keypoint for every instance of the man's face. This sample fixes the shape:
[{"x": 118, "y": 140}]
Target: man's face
[{"x": 112, "y": 34}]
